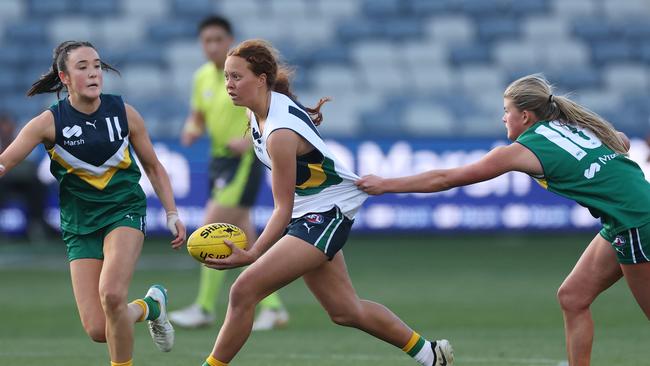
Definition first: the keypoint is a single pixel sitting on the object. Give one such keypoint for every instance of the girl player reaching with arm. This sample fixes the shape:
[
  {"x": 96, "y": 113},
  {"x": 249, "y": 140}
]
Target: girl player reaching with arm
[{"x": 575, "y": 153}]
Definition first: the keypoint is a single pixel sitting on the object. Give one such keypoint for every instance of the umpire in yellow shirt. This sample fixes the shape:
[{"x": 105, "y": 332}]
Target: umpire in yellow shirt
[{"x": 235, "y": 174}]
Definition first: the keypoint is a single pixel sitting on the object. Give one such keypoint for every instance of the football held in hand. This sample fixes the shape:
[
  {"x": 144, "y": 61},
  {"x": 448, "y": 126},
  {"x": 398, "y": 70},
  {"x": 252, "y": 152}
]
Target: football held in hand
[{"x": 208, "y": 241}]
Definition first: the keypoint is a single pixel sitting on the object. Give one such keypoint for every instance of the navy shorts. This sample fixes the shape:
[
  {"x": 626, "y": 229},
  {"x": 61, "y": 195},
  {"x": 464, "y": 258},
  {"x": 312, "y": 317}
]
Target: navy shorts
[{"x": 328, "y": 231}]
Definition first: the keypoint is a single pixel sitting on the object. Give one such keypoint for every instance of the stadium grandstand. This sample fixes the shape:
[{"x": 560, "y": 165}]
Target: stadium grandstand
[{"x": 411, "y": 67}]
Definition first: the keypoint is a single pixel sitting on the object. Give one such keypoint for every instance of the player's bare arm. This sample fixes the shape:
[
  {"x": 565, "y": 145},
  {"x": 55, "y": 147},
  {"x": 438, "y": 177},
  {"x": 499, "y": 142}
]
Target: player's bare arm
[
  {"x": 500, "y": 160},
  {"x": 283, "y": 146},
  {"x": 39, "y": 130},
  {"x": 155, "y": 172}
]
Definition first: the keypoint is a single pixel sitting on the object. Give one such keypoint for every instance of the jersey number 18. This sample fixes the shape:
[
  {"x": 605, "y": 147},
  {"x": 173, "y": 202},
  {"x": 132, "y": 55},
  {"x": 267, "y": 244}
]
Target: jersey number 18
[{"x": 570, "y": 139}]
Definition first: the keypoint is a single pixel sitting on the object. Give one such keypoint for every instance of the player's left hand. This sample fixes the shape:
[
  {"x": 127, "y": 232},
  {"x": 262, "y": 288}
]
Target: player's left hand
[
  {"x": 238, "y": 258},
  {"x": 371, "y": 184},
  {"x": 177, "y": 228}
]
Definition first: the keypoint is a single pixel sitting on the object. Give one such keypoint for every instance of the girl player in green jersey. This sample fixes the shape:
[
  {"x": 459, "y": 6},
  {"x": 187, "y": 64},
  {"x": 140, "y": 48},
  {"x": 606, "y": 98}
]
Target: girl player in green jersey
[
  {"x": 575, "y": 153},
  {"x": 88, "y": 136}
]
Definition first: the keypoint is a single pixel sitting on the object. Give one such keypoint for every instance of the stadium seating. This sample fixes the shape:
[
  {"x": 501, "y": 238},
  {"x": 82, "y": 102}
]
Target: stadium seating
[{"x": 450, "y": 58}]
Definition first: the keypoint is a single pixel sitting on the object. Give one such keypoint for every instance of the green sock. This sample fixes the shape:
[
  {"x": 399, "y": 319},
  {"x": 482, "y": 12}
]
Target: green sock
[
  {"x": 209, "y": 286},
  {"x": 154, "y": 308}
]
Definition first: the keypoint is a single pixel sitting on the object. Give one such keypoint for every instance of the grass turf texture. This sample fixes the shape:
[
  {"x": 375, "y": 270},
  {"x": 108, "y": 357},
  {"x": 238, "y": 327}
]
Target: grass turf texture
[{"x": 493, "y": 297}]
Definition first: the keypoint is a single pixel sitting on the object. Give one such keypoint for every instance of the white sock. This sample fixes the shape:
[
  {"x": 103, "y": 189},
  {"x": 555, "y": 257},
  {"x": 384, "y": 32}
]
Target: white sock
[{"x": 425, "y": 356}]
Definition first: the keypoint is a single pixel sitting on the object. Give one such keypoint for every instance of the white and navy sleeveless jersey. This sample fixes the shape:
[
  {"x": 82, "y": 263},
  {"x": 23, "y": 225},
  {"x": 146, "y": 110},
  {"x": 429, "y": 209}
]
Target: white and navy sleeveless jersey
[{"x": 322, "y": 182}]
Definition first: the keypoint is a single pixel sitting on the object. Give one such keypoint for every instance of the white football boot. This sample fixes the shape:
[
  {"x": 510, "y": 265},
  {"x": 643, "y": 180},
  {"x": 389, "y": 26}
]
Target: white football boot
[
  {"x": 443, "y": 353},
  {"x": 161, "y": 329},
  {"x": 192, "y": 316},
  {"x": 269, "y": 319}
]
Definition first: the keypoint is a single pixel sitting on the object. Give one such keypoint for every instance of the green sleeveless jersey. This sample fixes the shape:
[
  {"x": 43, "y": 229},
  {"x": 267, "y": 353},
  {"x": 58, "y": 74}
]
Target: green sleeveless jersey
[
  {"x": 224, "y": 121},
  {"x": 94, "y": 165},
  {"x": 578, "y": 166}
]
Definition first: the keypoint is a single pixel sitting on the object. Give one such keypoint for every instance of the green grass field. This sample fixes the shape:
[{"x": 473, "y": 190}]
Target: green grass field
[{"x": 493, "y": 297}]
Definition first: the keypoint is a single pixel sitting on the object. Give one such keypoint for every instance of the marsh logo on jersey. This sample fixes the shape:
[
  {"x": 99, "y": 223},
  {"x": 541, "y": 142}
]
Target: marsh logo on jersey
[
  {"x": 314, "y": 218},
  {"x": 591, "y": 172},
  {"x": 74, "y": 131},
  {"x": 71, "y": 131}
]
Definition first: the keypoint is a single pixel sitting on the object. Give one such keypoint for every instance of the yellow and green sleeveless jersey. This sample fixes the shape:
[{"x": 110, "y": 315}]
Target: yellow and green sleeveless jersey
[
  {"x": 223, "y": 120},
  {"x": 578, "y": 166},
  {"x": 94, "y": 165}
]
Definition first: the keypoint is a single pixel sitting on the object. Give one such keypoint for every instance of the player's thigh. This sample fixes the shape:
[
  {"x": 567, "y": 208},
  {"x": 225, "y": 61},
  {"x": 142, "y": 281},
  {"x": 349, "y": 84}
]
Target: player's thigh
[
  {"x": 85, "y": 274},
  {"x": 122, "y": 247},
  {"x": 633, "y": 247},
  {"x": 638, "y": 279},
  {"x": 284, "y": 262},
  {"x": 596, "y": 270},
  {"x": 331, "y": 285}
]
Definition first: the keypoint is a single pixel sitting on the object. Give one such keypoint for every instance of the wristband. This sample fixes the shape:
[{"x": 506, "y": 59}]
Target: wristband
[{"x": 172, "y": 218}]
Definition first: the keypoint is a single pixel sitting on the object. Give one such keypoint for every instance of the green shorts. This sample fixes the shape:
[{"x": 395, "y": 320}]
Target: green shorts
[
  {"x": 327, "y": 231},
  {"x": 632, "y": 246},
  {"x": 92, "y": 245}
]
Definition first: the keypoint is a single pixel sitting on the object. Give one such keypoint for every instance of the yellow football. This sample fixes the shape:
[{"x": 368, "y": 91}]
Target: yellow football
[{"x": 208, "y": 241}]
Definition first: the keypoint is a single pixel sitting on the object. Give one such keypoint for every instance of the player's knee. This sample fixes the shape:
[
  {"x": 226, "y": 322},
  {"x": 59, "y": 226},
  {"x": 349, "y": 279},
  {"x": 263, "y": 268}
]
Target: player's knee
[
  {"x": 112, "y": 300},
  {"x": 242, "y": 293},
  {"x": 571, "y": 298}
]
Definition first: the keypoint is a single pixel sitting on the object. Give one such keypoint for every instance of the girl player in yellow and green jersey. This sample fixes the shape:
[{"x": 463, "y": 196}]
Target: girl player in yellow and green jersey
[
  {"x": 575, "y": 153},
  {"x": 234, "y": 173},
  {"x": 90, "y": 138}
]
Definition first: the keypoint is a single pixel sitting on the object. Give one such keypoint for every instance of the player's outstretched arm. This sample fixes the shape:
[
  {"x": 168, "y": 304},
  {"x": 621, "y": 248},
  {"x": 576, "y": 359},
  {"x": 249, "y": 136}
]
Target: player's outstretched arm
[
  {"x": 39, "y": 130},
  {"x": 156, "y": 173},
  {"x": 500, "y": 160}
]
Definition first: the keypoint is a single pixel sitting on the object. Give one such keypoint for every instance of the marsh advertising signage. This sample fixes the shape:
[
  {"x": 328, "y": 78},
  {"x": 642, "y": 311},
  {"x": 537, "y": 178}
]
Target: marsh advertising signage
[{"x": 510, "y": 202}]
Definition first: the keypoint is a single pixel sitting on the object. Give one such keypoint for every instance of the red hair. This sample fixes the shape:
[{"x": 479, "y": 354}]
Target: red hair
[{"x": 262, "y": 58}]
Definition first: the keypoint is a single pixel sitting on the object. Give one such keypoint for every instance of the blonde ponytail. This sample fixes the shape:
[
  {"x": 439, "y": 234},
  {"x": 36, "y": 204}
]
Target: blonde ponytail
[{"x": 534, "y": 93}]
